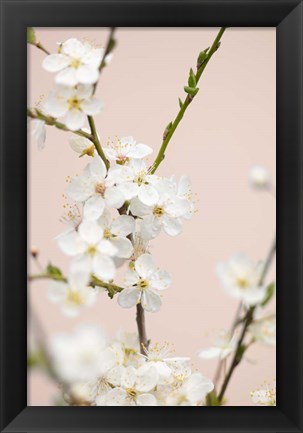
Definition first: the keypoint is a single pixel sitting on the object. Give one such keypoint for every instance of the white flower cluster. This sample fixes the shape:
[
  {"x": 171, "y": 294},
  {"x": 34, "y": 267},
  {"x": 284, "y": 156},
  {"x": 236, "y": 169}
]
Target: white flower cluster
[
  {"x": 241, "y": 278},
  {"x": 76, "y": 65},
  {"x": 118, "y": 211},
  {"x": 100, "y": 373},
  {"x": 265, "y": 396}
]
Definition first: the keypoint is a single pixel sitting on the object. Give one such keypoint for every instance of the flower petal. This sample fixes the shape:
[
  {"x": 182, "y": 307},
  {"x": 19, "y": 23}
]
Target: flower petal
[
  {"x": 160, "y": 280},
  {"x": 55, "y": 62},
  {"x": 75, "y": 119},
  {"x": 129, "y": 297},
  {"x": 92, "y": 106},
  {"x": 114, "y": 197},
  {"x": 93, "y": 208},
  {"x": 67, "y": 77},
  {"x": 145, "y": 265},
  {"x": 87, "y": 74},
  {"x": 139, "y": 151},
  {"x": 148, "y": 195},
  {"x": 57, "y": 291},
  {"x": 116, "y": 397},
  {"x": 124, "y": 247},
  {"x": 172, "y": 226},
  {"x": 146, "y": 400},
  {"x": 104, "y": 267},
  {"x": 91, "y": 232},
  {"x": 123, "y": 225},
  {"x": 74, "y": 48},
  {"x": 151, "y": 300}
]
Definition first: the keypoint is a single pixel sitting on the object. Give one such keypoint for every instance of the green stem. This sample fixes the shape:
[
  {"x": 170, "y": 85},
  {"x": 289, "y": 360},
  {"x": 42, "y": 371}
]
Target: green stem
[
  {"x": 108, "y": 49},
  {"x": 247, "y": 321},
  {"x": 96, "y": 140},
  {"x": 37, "y": 114},
  {"x": 111, "y": 288},
  {"x": 185, "y": 104}
]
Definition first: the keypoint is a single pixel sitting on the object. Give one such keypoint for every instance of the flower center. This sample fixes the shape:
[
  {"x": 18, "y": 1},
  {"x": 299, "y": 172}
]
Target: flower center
[
  {"x": 131, "y": 392},
  {"x": 74, "y": 103},
  {"x": 91, "y": 250},
  {"x": 100, "y": 189},
  {"x": 140, "y": 178},
  {"x": 107, "y": 234},
  {"x": 242, "y": 283},
  {"x": 143, "y": 284},
  {"x": 74, "y": 297},
  {"x": 158, "y": 211},
  {"x": 75, "y": 63}
]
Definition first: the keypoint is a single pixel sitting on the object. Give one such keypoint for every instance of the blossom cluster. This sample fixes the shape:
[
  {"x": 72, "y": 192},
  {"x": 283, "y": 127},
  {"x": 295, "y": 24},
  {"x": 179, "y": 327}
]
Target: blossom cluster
[
  {"x": 97, "y": 372},
  {"x": 115, "y": 213},
  {"x": 265, "y": 395}
]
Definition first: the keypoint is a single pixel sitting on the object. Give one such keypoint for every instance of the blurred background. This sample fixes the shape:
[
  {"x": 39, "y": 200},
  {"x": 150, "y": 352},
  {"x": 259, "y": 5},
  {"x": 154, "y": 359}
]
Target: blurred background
[{"x": 229, "y": 128}]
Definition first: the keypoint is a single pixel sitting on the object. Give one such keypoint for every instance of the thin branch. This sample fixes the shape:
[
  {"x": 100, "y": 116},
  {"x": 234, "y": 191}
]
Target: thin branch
[
  {"x": 185, "y": 104},
  {"x": 231, "y": 331},
  {"x": 40, "y": 47},
  {"x": 51, "y": 121},
  {"x": 247, "y": 321},
  {"x": 111, "y": 42},
  {"x": 140, "y": 318},
  {"x": 96, "y": 141},
  {"x": 111, "y": 288}
]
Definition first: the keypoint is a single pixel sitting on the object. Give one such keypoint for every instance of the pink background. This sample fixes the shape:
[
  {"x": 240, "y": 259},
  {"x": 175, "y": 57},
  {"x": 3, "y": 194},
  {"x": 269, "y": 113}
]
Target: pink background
[{"x": 229, "y": 127}]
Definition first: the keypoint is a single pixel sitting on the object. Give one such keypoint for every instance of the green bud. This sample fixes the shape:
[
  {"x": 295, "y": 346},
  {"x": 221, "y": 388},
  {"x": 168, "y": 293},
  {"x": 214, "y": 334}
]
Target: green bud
[
  {"x": 53, "y": 271},
  {"x": 192, "y": 79},
  {"x": 31, "y": 36},
  {"x": 191, "y": 91},
  {"x": 180, "y": 103},
  {"x": 166, "y": 131},
  {"x": 270, "y": 290},
  {"x": 201, "y": 58}
]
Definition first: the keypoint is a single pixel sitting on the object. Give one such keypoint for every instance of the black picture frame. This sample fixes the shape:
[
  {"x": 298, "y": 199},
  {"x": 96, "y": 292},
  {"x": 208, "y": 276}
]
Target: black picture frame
[{"x": 287, "y": 17}]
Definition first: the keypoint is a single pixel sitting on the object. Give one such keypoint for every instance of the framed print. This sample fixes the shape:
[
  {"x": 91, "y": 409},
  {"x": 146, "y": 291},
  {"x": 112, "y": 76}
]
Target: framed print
[{"x": 143, "y": 222}]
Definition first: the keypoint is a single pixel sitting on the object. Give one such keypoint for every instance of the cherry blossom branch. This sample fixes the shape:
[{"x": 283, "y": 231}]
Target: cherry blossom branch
[
  {"x": 184, "y": 105},
  {"x": 51, "y": 121},
  {"x": 248, "y": 319},
  {"x": 112, "y": 289}
]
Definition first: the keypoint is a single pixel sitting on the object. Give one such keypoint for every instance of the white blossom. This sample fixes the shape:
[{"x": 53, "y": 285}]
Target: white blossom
[
  {"x": 96, "y": 187},
  {"x": 265, "y": 396},
  {"x": 82, "y": 145},
  {"x": 168, "y": 368},
  {"x": 91, "y": 251},
  {"x": 144, "y": 284},
  {"x": 183, "y": 190},
  {"x": 76, "y": 356},
  {"x": 192, "y": 391},
  {"x": 71, "y": 296},
  {"x": 135, "y": 181},
  {"x": 224, "y": 346},
  {"x": 116, "y": 230},
  {"x": 125, "y": 149},
  {"x": 240, "y": 278},
  {"x": 165, "y": 214},
  {"x": 132, "y": 387},
  {"x": 263, "y": 328},
  {"x": 74, "y": 104},
  {"x": 259, "y": 177},
  {"x": 39, "y": 132},
  {"x": 76, "y": 62}
]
